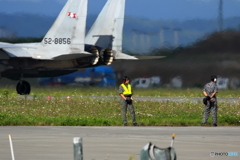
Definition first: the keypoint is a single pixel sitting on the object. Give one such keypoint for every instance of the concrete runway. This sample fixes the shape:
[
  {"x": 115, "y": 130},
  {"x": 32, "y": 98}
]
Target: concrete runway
[{"x": 116, "y": 143}]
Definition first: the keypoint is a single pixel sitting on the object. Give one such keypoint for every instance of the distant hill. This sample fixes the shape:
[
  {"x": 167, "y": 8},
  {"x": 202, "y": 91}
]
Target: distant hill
[
  {"x": 140, "y": 35},
  {"x": 227, "y": 41},
  {"x": 216, "y": 54}
]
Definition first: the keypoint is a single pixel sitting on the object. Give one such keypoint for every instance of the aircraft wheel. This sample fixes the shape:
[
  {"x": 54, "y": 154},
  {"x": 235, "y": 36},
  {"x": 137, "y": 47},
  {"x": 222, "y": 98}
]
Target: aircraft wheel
[{"x": 23, "y": 88}]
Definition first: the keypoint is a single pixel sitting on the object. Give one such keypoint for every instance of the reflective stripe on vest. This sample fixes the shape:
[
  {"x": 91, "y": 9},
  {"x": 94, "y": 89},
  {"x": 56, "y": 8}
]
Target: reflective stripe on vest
[{"x": 127, "y": 90}]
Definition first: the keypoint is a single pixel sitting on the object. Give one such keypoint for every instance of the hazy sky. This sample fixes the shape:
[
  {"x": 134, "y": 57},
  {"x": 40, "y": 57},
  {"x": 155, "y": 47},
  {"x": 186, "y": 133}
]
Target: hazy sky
[{"x": 151, "y": 9}]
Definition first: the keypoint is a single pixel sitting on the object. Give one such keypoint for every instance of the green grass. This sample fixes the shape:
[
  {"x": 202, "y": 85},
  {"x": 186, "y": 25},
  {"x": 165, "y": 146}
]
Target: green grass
[{"x": 81, "y": 110}]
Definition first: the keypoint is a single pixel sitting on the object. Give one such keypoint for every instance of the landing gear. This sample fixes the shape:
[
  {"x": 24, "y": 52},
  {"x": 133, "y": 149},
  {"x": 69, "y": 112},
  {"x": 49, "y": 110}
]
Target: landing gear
[{"x": 23, "y": 88}]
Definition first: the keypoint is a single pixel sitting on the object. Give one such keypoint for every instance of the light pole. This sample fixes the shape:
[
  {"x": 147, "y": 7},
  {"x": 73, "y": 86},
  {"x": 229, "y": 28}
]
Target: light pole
[
  {"x": 176, "y": 36},
  {"x": 142, "y": 40},
  {"x": 162, "y": 39},
  {"x": 220, "y": 15}
]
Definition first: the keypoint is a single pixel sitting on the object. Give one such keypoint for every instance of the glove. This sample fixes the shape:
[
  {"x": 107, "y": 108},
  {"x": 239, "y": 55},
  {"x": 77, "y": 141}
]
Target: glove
[
  {"x": 129, "y": 101},
  {"x": 205, "y": 99}
]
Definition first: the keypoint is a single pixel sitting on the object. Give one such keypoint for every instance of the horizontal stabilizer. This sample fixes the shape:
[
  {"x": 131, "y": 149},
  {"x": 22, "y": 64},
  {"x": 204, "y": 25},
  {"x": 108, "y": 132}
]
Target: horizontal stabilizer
[
  {"x": 16, "y": 52},
  {"x": 149, "y": 57},
  {"x": 124, "y": 56},
  {"x": 9, "y": 45}
]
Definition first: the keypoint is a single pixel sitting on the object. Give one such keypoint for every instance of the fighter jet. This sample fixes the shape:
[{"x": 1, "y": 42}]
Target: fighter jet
[{"x": 62, "y": 50}]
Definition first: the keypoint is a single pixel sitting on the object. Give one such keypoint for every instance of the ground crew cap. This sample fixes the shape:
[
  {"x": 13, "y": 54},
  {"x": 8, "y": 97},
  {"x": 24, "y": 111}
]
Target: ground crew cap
[{"x": 213, "y": 77}]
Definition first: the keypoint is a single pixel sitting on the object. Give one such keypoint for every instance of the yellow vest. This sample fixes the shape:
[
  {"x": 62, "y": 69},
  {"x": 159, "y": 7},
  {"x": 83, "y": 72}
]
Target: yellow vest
[{"x": 127, "y": 90}]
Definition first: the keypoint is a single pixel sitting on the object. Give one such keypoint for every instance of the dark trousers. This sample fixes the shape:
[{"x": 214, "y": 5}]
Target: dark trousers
[{"x": 211, "y": 106}]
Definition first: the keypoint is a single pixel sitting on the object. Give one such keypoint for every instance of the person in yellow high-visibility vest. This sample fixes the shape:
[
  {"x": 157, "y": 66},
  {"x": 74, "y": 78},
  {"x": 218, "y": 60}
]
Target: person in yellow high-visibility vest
[{"x": 126, "y": 94}]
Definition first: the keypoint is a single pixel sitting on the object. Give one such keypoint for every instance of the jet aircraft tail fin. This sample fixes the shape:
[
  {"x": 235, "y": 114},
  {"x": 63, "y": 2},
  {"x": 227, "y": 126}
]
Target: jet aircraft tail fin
[
  {"x": 108, "y": 25},
  {"x": 67, "y": 34},
  {"x": 107, "y": 30}
]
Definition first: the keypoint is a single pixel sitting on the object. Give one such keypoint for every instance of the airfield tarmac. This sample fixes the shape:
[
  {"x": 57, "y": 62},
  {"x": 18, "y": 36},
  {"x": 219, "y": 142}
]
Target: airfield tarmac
[{"x": 117, "y": 143}]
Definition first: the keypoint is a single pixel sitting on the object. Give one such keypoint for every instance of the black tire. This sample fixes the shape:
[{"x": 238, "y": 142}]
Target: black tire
[{"x": 23, "y": 88}]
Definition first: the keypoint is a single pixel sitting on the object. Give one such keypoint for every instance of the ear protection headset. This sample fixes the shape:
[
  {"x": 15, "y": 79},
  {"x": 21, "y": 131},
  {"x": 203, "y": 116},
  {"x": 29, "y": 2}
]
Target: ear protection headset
[{"x": 214, "y": 78}]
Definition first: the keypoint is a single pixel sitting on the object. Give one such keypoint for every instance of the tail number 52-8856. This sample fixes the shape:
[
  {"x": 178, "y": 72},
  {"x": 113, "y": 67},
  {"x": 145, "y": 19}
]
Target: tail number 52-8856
[{"x": 57, "y": 40}]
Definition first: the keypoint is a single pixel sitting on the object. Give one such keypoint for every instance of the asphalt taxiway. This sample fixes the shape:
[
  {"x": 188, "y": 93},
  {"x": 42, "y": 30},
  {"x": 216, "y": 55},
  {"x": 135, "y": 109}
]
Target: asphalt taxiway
[{"x": 117, "y": 143}]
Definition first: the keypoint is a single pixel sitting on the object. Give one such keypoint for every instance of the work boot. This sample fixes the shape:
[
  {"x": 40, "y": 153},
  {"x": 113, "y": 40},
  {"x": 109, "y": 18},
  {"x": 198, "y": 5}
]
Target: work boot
[
  {"x": 215, "y": 124},
  {"x": 135, "y": 124}
]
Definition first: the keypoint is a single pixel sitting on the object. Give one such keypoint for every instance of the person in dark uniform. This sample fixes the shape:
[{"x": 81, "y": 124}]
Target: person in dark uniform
[
  {"x": 126, "y": 98},
  {"x": 210, "y": 90}
]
